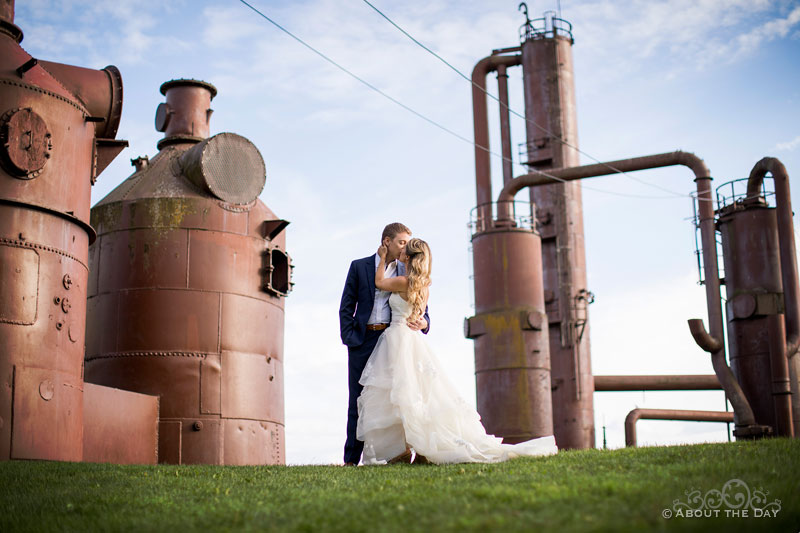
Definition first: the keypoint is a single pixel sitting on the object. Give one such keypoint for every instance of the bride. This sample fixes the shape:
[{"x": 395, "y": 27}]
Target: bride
[{"x": 408, "y": 402}]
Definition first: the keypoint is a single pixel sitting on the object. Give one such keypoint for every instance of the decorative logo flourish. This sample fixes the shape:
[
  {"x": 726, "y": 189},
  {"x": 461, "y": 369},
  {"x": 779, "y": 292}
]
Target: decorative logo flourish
[{"x": 735, "y": 500}]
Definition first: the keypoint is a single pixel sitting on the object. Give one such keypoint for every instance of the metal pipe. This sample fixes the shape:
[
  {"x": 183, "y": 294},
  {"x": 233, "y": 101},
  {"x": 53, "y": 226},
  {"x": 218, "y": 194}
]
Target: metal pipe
[
  {"x": 670, "y": 414},
  {"x": 505, "y": 123},
  {"x": 665, "y": 382},
  {"x": 713, "y": 342},
  {"x": 687, "y": 159},
  {"x": 788, "y": 255},
  {"x": 781, "y": 384},
  {"x": 483, "y": 168}
]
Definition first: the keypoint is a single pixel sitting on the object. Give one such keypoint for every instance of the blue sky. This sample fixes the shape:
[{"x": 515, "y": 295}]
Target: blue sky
[{"x": 717, "y": 78}]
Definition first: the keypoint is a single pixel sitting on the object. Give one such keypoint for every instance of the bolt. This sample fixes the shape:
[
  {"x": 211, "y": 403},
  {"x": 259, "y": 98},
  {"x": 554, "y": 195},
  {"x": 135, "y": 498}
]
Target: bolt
[
  {"x": 197, "y": 426},
  {"x": 59, "y": 325},
  {"x": 57, "y": 300},
  {"x": 65, "y": 305},
  {"x": 67, "y": 281}
]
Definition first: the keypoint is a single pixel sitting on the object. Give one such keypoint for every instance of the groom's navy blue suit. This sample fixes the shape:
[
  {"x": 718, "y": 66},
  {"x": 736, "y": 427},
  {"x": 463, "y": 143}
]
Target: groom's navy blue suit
[{"x": 355, "y": 309}]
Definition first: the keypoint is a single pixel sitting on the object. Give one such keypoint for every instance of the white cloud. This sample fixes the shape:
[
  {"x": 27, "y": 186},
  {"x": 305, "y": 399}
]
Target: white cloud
[{"x": 788, "y": 145}]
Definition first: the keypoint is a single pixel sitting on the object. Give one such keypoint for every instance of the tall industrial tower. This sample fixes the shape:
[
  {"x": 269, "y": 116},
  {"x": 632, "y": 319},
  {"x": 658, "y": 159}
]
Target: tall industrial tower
[{"x": 516, "y": 358}]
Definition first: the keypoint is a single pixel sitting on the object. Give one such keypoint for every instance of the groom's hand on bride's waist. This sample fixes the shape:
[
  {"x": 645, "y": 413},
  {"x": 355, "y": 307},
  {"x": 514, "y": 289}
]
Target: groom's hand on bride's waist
[{"x": 418, "y": 325}]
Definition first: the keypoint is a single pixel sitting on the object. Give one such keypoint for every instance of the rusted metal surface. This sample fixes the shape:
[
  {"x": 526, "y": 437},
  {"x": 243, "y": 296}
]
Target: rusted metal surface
[
  {"x": 663, "y": 382},
  {"x": 119, "y": 426},
  {"x": 505, "y": 123},
  {"x": 187, "y": 292},
  {"x": 186, "y": 114},
  {"x": 753, "y": 283},
  {"x": 512, "y": 363},
  {"x": 670, "y": 414},
  {"x": 50, "y": 130},
  {"x": 789, "y": 274},
  {"x": 551, "y": 132}
]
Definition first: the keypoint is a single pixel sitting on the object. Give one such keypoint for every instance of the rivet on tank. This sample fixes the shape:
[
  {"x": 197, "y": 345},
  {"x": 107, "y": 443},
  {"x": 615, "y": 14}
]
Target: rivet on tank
[
  {"x": 57, "y": 129},
  {"x": 186, "y": 298}
]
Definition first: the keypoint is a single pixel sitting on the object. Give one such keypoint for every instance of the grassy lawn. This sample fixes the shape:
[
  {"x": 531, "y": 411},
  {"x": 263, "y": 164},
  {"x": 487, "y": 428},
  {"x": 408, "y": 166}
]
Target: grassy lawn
[{"x": 614, "y": 490}]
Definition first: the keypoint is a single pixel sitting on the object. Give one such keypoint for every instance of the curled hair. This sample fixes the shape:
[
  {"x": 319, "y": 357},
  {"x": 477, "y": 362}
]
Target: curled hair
[{"x": 418, "y": 273}]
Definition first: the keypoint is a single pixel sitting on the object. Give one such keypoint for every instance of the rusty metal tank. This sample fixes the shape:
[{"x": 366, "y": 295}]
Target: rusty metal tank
[
  {"x": 552, "y": 140},
  {"x": 754, "y": 307},
  {"x": 57, "y": 128},
  {"x": 186, "y": 297},
  {"x": 512, "y": 362}
]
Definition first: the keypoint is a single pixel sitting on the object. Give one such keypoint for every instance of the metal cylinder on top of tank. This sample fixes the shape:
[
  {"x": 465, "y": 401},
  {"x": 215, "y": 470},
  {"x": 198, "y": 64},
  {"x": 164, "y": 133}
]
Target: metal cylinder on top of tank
[{"x": 186, "y": 299}]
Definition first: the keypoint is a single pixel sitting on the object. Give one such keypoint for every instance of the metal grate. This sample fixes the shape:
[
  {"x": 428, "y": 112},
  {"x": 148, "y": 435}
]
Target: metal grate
[{"x": 232, "y": 168}]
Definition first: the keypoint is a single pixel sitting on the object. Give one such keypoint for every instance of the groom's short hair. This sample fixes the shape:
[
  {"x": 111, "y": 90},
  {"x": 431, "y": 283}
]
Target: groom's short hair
[{"x": 391, "y": 230}]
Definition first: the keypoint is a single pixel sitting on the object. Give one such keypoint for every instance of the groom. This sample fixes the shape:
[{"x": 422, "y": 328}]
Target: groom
[{"x": 364, "y": 314}]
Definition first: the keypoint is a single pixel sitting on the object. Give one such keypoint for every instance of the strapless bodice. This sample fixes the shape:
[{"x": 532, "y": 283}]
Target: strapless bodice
[{"x": 401, "y": 309}]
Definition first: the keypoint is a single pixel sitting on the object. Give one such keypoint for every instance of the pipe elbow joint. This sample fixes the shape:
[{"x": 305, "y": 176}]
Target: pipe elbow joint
[{"x": 703, "y": 339}]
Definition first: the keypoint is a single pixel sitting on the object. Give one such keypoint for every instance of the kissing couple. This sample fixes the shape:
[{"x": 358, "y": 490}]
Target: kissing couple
[{"x": 402, "y": 406}]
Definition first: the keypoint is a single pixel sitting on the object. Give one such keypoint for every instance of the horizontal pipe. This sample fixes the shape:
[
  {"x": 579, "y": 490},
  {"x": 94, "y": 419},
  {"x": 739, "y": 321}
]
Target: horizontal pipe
[
  {"x": 687, "y": 159},
  {"x": 670, "y": 414},
  {"x": 664, "y": 382}
]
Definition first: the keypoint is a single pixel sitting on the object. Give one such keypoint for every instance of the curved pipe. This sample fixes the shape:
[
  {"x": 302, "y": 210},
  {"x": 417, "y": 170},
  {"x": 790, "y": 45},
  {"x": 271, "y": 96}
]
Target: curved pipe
[
  {"x": 788, "y": 251},
  {"x": 714, "y": 341},
  {"x": 480, "y": 114},
  {"x": 701, "y": 336},
  {"x": 788, "y": 255},
  {"x": 670, "y": 414}
]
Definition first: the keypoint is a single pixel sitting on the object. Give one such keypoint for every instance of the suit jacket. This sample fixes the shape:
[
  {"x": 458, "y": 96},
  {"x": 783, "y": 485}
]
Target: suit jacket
[{"x": 358, "y": 299}]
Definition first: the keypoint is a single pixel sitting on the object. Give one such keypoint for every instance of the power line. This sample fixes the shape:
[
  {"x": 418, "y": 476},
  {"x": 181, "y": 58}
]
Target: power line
[
  {"x": 513, "y": 112},
  {"x": 420, "y": 115}
]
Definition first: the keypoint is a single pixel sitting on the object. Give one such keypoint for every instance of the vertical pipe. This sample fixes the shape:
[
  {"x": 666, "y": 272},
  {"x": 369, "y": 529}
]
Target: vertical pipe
[
  {"x": 788, "y": 254},
  {"x": 505, "y": 123},
  {"x": 781, "y": 386},
  {"x": 480, "y": 114}
]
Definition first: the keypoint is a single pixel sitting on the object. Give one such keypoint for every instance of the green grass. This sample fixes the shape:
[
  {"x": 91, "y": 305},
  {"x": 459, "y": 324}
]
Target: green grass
[{"x": 619, "y": 490}]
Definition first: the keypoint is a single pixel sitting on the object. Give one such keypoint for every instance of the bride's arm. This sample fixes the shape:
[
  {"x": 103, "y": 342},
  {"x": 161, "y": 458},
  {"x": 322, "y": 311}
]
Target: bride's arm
[{"x": 396, "y": 284}]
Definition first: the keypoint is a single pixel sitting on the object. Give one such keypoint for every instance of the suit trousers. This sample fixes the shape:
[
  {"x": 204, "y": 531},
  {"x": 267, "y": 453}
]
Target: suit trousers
[{"x": 357, "y": 360}]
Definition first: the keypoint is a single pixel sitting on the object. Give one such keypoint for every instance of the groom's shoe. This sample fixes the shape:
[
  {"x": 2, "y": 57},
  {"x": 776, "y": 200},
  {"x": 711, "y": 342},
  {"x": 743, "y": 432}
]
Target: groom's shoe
[
  {"x": 404, "y": 457},
  {"x": 350, "y": 464},
  {"x": 421, "y": 460}
]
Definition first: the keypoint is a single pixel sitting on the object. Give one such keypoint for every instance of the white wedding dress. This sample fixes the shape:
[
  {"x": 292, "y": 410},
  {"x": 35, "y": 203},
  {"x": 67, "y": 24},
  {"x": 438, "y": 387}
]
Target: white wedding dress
[{"x": 408, "y": 399}]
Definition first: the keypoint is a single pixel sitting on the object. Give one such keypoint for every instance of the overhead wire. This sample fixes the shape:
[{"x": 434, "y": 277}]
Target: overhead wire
[
  {"x": 541, "y": 128},
  {"x": 420, "y": 115}
]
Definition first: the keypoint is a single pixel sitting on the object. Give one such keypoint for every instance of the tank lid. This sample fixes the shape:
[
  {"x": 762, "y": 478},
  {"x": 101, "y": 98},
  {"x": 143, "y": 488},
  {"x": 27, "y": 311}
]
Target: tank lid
[{"x": 184, "y": 82}]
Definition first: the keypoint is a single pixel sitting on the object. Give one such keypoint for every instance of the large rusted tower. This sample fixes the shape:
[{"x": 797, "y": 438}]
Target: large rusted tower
[
  {"x": 532, "y": 342},
  {"x": 57, "y": 129}
]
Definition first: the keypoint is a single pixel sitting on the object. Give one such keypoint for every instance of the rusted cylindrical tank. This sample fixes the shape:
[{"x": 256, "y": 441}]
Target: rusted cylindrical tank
[
  {"x": 754, "y": 307},
  {"x": 512, "y": 363},
  {"x": 57, "y": 124},
  {"x": 186, "y": 297},
  {"x": 552, "y": 140}
]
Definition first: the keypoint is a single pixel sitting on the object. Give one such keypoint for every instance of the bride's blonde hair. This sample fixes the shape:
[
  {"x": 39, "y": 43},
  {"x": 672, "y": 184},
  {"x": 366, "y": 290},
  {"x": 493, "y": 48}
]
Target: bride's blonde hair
[{"x": 418, "y": 272}]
